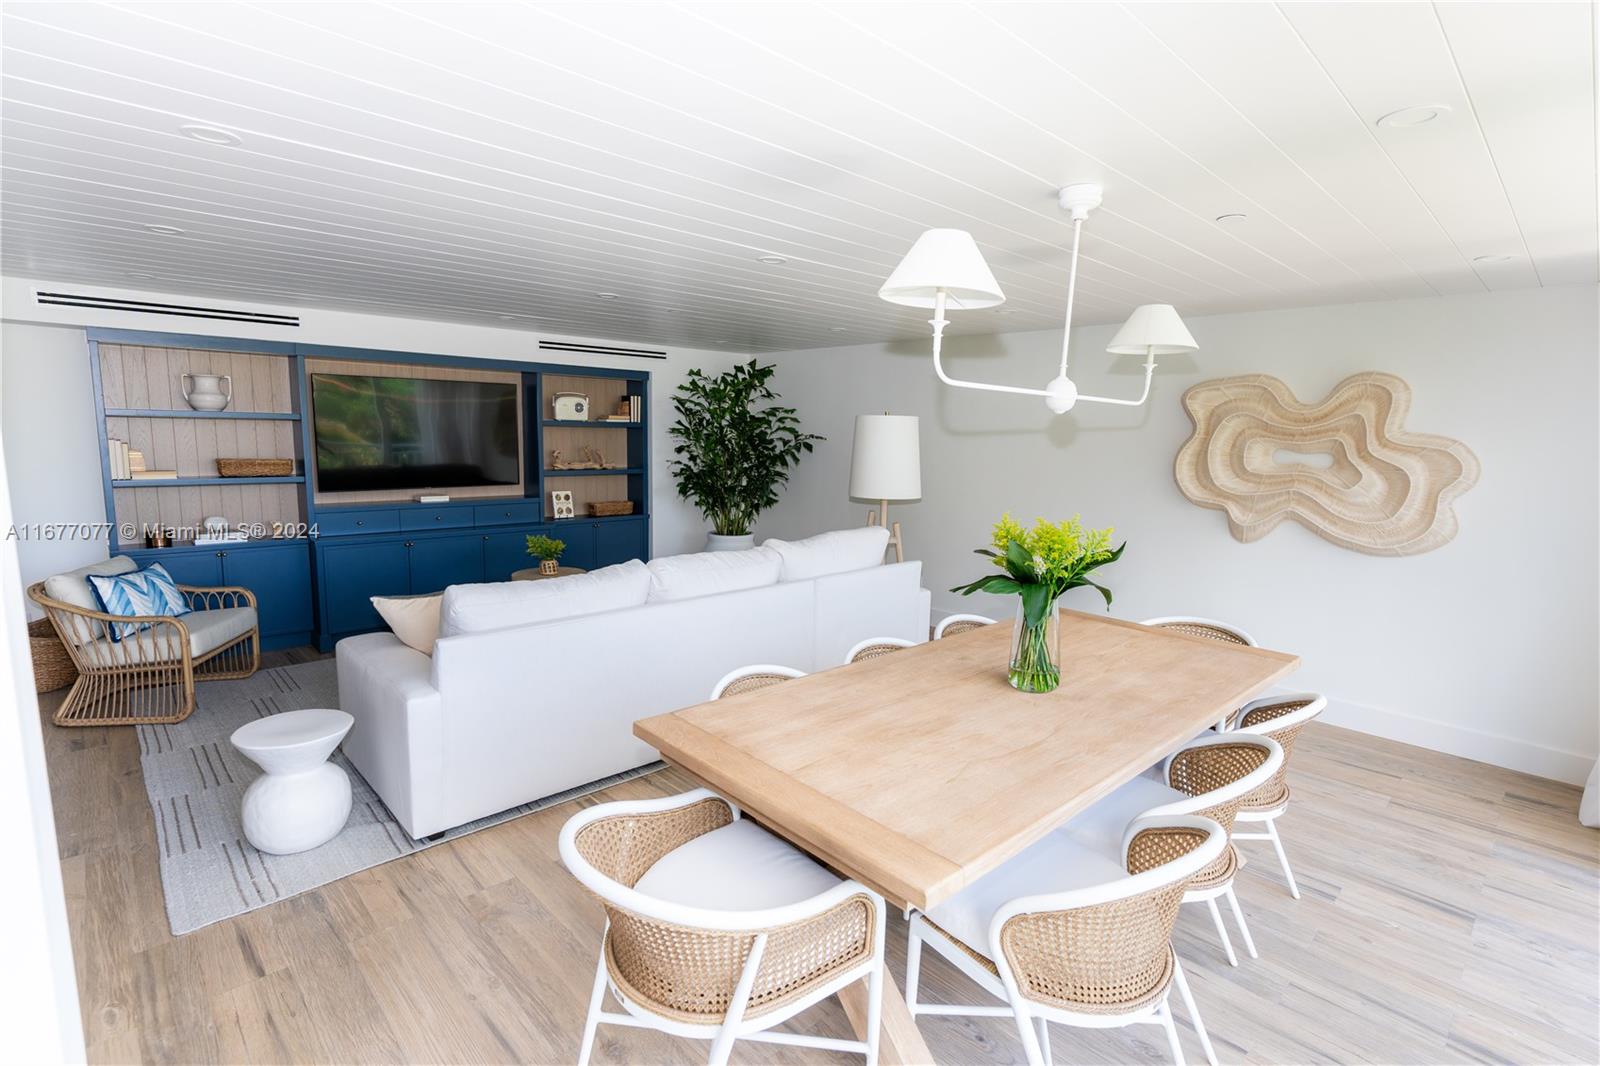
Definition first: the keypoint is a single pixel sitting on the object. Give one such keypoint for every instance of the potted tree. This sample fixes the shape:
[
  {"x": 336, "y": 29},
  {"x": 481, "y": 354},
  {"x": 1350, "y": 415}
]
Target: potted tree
[{"x": 735, "y": 447}]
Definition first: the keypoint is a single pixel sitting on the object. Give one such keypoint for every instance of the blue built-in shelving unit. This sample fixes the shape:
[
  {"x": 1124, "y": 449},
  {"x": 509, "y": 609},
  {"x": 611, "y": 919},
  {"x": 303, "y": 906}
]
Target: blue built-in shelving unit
[{"x": 314, "y": 583}]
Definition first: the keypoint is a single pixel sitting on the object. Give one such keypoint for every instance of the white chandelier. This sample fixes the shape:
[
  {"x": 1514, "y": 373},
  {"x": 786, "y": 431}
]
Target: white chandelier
[{"x": 945, "y": 267}]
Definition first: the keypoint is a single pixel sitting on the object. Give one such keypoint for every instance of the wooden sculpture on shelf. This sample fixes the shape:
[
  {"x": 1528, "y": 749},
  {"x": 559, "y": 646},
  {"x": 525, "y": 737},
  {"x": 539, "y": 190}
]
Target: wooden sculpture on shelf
[
  {"x": 593, "y": 459},
  {"x": 1345, "y": 468}
]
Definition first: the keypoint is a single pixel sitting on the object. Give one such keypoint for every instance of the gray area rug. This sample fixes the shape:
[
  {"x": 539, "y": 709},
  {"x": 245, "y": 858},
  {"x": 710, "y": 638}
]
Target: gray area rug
[{"x": 196, "y": 781}]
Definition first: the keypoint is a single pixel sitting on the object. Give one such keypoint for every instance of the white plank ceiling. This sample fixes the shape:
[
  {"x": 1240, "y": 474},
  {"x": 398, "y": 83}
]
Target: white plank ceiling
[{"x": 474, "y": 161}]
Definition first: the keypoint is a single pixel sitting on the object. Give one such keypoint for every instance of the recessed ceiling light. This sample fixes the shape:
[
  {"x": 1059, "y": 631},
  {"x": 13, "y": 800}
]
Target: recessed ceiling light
[
  {"x": 771, "y": 260},
  {"x": 139, "y": 275},
  {"x": 1493, "y": 258},
  {"x": 165, "y": 231},
  {"x": 1231, "y": 216},
  {"x": 1413, "y": 116},
  {"x": 211, "y": 134},
  {"x": 605, "y": 296}
]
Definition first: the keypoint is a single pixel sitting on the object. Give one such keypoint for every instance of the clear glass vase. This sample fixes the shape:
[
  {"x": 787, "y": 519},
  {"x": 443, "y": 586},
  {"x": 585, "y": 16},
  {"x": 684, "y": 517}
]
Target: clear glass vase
[{"x": 1036, "y": 651}]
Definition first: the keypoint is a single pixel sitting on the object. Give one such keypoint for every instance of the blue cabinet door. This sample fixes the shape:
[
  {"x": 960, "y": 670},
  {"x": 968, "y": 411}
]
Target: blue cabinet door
[
  {"x": 188, "y": 566},
  {"x": 354, "y": 572},
  {"x": 438, "y": 562},
  {"x": 578, "y": 536},
  {"x": 280, "y": 577},
  {"x": 619, "y": 541},
  {"x": 506, "y": 552}
]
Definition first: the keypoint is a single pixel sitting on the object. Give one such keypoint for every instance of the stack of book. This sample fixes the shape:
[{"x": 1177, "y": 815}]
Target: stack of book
[
  {"x": 628, "y": 410},
  {"x": 127, "y": 464}
]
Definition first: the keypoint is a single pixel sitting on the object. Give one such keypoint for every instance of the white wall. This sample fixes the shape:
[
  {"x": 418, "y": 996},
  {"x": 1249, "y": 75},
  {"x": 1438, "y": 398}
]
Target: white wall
[
  {"x": 47, "y": 406},
  {"x": 1485, "y": 647}
]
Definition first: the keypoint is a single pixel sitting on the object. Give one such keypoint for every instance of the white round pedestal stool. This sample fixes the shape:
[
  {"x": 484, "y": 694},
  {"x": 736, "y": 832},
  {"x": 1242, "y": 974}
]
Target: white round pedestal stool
[{"x": 301, "y": 800}]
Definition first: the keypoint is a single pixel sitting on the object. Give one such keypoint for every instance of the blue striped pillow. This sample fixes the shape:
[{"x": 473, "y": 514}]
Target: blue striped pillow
[{"x": 150, "y": 591}]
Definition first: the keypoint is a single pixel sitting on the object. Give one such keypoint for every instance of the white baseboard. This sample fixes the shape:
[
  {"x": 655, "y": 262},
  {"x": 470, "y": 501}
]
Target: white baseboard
[{"x": 1513, "y": 753}]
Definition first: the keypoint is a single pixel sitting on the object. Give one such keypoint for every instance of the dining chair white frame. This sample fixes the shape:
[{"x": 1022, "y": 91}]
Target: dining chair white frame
[
  {"x": 1268, "y": 807},
  {"x": 758, "y": 670},
  {"x": 763, "y": 926},
  {"x": 1225, "y": 632},
  {"x": 1180, "y": 621},
  {"x": 1221, "y": 805},
  {"x": 884, "y": 646},
  {"x": 1033, "y": 1017},
  {"x": 965, "y": 621}
]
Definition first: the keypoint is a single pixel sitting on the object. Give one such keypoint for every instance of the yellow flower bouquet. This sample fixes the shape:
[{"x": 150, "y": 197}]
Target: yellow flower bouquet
[{"x": 1039, "y": 565}]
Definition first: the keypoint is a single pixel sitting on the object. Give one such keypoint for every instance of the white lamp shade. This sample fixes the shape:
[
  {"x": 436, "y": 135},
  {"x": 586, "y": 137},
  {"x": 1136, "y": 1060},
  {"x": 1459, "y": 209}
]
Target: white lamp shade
[
  {"x": 945, "y": 259},
  {"x": 886, "y": 462},
  {"x": 1152, "y": 328}
]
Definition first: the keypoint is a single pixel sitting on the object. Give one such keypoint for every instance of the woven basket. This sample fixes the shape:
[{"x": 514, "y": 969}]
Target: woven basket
[
  {"x": 255, "y": 467},
  {"x": 52, "y": 667},
  {"x": 607, "y": 508}
]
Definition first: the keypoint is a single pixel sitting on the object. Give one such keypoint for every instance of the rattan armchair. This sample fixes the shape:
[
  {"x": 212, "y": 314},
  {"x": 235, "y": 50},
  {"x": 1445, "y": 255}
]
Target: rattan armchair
[
  {"x": 148, "y": 677},
  {"x": 717, "y": 974},
  {"x": 1092, "y": 955},
  {"x": 956, "y": 624},
  {"x": 1218, "y": 772},
  {"x": 750, "y": 678},
  {"x": 876, "y": 648},
  {"x": 1281, "y": 718}
]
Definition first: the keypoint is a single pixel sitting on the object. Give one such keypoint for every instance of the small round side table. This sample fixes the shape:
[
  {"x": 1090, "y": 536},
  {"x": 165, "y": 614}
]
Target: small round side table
[
  {"x": 532, "y": 573},
  {"x": 301, "y": 800}
]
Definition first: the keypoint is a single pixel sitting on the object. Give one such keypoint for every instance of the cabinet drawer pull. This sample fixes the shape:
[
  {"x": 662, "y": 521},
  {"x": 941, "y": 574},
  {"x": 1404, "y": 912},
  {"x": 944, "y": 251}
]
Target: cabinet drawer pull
[
  {"x": 361, "y": 521},
  {"x": 438, "y": 518}
]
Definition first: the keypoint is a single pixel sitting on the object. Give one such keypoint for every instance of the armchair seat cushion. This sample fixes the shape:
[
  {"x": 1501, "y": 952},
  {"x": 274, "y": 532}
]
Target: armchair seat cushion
[
  {"x": 208, "y": 631},
  {"x": 739, "y": 867},
  {"x": 1055, "y": 864},
  {"x": 1102, "y": 827}
]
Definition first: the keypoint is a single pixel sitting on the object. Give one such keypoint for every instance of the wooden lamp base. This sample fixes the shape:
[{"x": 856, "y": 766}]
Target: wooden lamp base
[{"x": 881, "y": 518}]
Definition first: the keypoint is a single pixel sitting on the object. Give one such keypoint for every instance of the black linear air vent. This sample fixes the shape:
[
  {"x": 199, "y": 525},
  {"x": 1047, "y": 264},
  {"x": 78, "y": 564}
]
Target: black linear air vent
[
  {"x": 601, "y": 349},
  {"x": 150, "y": 307}
]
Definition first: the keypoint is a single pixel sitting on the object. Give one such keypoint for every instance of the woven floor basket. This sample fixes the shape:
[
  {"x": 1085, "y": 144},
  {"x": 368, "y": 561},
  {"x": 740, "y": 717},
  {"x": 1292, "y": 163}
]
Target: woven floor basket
[{"x": 52, "y": 667}]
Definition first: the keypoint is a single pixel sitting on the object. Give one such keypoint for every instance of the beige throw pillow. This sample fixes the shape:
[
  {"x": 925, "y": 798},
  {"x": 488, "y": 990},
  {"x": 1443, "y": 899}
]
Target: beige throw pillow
[{"x": 414, "y": 619}]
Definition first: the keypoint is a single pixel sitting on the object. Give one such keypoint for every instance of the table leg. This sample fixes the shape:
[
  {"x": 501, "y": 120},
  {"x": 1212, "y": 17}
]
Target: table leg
[{"x": 901, "y": 1042}]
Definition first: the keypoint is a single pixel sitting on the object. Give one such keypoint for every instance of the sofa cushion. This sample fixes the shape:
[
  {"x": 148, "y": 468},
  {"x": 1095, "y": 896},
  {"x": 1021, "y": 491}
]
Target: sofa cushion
[
  {"x": 505, "y": 604},
  {"x": 737, "y": 867},
  {"x": 73, "y": 588},
  {"x": 837, "y": 552},
  {"x": 146, "y": 592},
  {"x": 683, "y": 577},
  {"x": 414, "y": 619}
]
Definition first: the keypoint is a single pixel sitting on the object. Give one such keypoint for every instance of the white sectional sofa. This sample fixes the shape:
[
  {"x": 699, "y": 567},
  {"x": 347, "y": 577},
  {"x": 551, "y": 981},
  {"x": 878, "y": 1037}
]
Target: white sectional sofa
[{"x": 533, "y": 687}]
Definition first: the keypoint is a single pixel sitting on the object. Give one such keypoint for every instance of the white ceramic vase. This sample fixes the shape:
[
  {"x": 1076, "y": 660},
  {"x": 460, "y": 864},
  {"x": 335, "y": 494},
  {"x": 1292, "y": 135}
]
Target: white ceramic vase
[
  {"x": 716, "y": 542},
  {"x": 207, "y": 392}
]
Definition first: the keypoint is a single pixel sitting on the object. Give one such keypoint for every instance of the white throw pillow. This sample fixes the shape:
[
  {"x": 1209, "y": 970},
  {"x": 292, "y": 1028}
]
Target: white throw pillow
[
  {"x": 481, "y": 608},
  {"x": 684, "y": 577},
  {"x": 838, "y": 552},
  {"x": 414, "y": 619}
]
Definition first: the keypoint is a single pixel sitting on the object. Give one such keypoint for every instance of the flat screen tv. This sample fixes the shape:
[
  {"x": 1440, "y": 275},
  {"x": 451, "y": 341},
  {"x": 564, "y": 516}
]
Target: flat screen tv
[{"x": 377, "y": 433}]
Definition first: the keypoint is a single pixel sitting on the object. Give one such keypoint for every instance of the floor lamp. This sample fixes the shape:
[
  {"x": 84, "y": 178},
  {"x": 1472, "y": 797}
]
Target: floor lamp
[{"x": 886, "y": 464}]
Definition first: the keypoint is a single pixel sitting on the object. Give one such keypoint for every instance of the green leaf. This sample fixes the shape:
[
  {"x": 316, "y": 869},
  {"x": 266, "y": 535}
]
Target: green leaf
[
  {"x": 1036, "y": 601},
  {"x": 1103, "y": 591},
  {"x": 995, "y": 583}
]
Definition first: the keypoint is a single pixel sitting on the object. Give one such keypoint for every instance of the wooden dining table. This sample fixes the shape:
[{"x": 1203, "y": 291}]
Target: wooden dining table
[{"x": 918, "y": 772}]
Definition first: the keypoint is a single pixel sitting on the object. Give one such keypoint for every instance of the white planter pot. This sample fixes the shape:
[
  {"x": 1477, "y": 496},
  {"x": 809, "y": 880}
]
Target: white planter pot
[{"x": 716, "y": 542}]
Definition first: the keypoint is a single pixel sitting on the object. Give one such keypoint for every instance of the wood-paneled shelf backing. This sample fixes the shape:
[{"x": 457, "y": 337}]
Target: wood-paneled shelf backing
[
  {"x": 1346, "y": 468},
  {"x": 141, "y": 391}
]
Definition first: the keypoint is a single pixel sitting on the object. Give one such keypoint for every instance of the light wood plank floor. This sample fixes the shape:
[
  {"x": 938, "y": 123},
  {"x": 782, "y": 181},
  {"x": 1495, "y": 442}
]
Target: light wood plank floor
[{"x": 1448, "y": 915}]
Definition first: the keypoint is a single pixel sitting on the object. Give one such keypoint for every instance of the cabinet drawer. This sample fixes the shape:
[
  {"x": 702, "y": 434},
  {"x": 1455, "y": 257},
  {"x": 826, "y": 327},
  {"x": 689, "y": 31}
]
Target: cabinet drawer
[
  {"x": 435, "y": 518},
  {"x": 344, "y": 523},
  {"x": 499, "y": 514}
]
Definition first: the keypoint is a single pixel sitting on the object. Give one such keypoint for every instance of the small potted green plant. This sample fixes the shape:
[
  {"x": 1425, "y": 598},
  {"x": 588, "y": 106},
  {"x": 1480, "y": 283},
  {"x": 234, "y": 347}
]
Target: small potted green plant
[
  {"x": 1040, "y": 564},
  {"x": 548, "y": 551},
  {"x": 734, "y": 449}
]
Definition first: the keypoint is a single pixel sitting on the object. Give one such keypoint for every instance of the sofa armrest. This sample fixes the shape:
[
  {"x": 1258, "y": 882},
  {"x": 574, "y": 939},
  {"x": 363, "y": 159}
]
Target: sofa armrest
[{"x": 397, "y": 741}]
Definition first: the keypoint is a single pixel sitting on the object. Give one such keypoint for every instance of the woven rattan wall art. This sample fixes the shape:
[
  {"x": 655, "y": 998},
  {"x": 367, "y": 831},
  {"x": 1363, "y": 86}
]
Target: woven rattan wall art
[{"x": 1345, "y": 468}]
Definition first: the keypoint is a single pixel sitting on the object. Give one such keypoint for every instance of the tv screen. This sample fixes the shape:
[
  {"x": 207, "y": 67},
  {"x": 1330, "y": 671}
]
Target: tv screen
[{"x": 413, "y": 433}]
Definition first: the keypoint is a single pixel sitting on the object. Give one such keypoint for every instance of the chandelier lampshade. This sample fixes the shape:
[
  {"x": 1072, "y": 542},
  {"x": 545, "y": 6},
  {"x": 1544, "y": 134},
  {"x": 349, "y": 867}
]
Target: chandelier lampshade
[
  {"x": 1153, "y": 329},
  {"x": 945, "y": 259}
]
